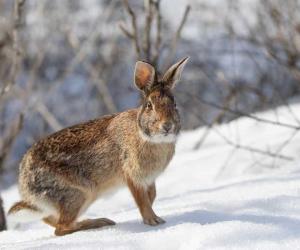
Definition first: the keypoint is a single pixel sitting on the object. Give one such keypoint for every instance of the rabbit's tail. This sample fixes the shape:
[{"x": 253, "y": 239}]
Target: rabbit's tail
[{"x": 22, "y": 211}]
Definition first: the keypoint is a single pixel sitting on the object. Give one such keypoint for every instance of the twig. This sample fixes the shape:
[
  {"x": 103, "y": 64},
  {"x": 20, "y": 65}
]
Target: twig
[
  {"x": 217, "y": 119},
  {"x": 249, "y": 148},
  {"x": 284, "y": 144},
  {"x": 147, "y": 32},
  {"x": 102, "y": 88},
  {"x": 241, "y": 113},
  {"x": 17, "y": 17},
  {"x": 158, "y": 34},
  {"x": 226, "y": 163},
  {"x": 9, "y": 138},
  {"x": 256, "y": 150},
  {"x": 278, "y": 92},
  {"x": 176, "y": 37},
  {"x": 49, "y": 117},
  {"x": 240, "y": 146},
  {"x": 125, "y": 31},
  {"x": 13, "y": 129},
  {"x": 80, "y": 56},
  {"x": 134, "y": 27}
]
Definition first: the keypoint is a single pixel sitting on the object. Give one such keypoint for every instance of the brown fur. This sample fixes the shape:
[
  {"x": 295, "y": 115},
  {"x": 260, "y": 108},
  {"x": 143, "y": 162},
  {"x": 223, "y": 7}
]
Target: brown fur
[
  {"x": 22, "y": 205},
  {"x": 71, "y": 168}
]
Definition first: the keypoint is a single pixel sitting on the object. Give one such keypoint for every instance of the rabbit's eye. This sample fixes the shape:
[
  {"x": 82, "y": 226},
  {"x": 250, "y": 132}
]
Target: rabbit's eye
[{"x": 149, "y": 105}]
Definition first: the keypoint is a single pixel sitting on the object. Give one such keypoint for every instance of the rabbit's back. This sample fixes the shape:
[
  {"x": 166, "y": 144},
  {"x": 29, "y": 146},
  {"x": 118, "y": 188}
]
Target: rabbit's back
[{"x": 83, "y": 156}]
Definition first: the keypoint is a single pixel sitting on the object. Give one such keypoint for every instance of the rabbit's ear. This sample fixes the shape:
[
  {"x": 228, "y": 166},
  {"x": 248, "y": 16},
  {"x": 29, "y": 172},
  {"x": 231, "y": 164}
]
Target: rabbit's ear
[
  {"x": 173, "y": 74},
  {"x": 144, "y": 75}
]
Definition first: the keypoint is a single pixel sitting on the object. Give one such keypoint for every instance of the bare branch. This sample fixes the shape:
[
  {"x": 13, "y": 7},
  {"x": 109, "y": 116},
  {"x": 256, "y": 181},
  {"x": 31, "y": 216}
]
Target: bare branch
[
  {"x": 18, "y": 12},
  {"x": 152, "y": 46},
  {"x": 217, "y": 119},
  {"x": 102, "y": 88},
  {"x": 80, "y": 56},
  {"x": 17, "y": 18},
  {"x": 9, "y": 138},
  {"x": 249, "y": 148},
  {"x": 11, "y": 132},
  {"x": 284, "y": 144},
  {"x": 134, "y": 27},
  {"x": 240, "y": 113},
  {"x": 158, "y": 34},
  {"x": 147, "y": 31},
  {"x": 126, "y": 31},
  {"x": 177, "y": 37},
  {"x": 48, "y": 117},
  {"x": 259, "y": 151}
]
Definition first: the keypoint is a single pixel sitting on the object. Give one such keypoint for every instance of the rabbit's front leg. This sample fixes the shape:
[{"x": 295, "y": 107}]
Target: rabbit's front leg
[
  {"x": 144, "y": 198},
  {"x": 151, "y": 193}
]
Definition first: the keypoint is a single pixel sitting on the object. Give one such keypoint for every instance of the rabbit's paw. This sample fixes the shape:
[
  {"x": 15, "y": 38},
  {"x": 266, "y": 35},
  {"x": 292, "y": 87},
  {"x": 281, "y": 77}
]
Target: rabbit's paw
[{"x": 153, "y": 221}]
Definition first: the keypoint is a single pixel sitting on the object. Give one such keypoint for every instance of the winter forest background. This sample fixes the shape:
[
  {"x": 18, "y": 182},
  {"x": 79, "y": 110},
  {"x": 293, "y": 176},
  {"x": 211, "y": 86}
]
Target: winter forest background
[
  {"x": 63, "y": 62},
  {"x": 234, "y": 182}
]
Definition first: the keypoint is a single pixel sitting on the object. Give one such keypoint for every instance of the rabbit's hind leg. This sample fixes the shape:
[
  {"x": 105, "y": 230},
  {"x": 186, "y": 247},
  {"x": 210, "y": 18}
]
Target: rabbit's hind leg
[
  {"x": 69, "y": 207},
  {"x": 51, "y": 221},
  {"x": 68, "y": 214},
  {"x": 93, "y": 224},
  {"x": 83, "y": 225}
]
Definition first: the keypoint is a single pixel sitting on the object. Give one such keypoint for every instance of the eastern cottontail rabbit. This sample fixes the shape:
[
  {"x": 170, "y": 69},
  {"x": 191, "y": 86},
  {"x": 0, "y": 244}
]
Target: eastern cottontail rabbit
[{"x": 61, "y": 175}]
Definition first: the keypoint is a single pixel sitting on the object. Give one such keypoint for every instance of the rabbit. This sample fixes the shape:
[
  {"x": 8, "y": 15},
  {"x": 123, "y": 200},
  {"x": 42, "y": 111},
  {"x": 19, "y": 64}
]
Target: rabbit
[{"x": 64, "y": 173}]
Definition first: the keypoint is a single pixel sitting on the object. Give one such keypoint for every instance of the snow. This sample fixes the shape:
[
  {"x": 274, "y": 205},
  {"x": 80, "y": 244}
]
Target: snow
[{"x": 216, "y": 197}]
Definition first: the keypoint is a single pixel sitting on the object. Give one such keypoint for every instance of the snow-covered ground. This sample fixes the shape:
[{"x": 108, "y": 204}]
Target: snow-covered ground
[{"x": 217, "y": 197}]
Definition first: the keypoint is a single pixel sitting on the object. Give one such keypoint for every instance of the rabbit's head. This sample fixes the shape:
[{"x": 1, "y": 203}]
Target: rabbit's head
[{"x": 158, "y": 118}]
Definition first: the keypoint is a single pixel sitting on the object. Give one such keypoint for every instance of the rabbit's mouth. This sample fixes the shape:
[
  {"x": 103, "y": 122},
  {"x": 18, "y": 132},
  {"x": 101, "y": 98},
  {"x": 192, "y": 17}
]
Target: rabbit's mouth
[
  {"x": 167, "y": 134},
  {"x": 165, "y": 137}
]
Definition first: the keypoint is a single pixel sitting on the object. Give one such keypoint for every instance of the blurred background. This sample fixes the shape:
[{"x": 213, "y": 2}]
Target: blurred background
[{"x": 64, "y": 62}]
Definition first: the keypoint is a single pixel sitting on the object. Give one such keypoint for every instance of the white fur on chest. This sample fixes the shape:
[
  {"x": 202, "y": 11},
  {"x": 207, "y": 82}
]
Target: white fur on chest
[
  {"x": 150, "y": 170},
  {"x": 159, "y": 138},
  {"x": 149, "y": 179},
  {"x": 149, "y": 159}
]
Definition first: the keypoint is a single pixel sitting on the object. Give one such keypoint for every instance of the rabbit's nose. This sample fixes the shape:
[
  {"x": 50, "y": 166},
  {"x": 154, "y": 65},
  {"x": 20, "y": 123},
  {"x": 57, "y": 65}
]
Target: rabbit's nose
[{"x": 167, "y": 126}]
